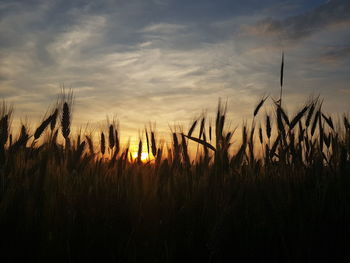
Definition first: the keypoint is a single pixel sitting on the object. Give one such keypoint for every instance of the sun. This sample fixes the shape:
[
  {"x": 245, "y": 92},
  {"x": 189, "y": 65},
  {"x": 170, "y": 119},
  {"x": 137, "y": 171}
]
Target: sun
[{"x": 144, "y": 156}]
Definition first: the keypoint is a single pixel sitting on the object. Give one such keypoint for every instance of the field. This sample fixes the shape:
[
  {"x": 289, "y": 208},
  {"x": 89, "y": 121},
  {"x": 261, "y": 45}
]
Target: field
[{"x": 283, "y": 195}]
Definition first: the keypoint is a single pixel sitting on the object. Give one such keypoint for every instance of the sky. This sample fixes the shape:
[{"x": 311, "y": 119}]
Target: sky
[{"x": 168, "y": 61}]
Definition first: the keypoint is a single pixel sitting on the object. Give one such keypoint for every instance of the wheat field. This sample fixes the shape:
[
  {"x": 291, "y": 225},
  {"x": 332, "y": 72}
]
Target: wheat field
[{"x": 283, "y": 195}]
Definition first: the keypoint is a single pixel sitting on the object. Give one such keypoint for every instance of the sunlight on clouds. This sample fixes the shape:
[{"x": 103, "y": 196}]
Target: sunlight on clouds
[
  {"x": 163, "y": 28},
  {"x": 145, "y": 44},
  {"x": 161, "y": 70},
  {"x": 68, "y": 45}
]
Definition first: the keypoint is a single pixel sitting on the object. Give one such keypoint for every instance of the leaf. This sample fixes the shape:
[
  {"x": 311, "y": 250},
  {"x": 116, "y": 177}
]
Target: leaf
[{"x": 208, "y": 145}]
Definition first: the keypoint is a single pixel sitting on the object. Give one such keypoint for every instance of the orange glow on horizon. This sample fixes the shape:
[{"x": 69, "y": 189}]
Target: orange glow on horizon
[{"x": 144, "y": 156}]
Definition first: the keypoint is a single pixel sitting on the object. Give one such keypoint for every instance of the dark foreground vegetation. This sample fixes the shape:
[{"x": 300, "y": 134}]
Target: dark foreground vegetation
[{"x": 282, "y": 195}]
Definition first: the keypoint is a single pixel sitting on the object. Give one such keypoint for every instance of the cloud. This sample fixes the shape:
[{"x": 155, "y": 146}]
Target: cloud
[
  {"x": 145, "y": 61},
  {"x": 331, "y": 14},
  {"x": 87, "y": 32},
  {"x": 163, "y": 28},
  {"x": 335, "y": 54}
]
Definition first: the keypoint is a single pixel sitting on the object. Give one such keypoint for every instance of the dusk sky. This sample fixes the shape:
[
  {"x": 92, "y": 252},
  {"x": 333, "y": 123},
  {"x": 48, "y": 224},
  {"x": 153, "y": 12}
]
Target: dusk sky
[{"x": 167, "y": 61}]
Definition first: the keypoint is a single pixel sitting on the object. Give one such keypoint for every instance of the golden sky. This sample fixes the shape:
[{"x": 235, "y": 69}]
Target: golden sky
[{"x": 168, "y": 61}]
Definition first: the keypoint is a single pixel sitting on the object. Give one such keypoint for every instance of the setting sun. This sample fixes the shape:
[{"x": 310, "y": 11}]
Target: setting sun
[{"x": 144, "y": 156}]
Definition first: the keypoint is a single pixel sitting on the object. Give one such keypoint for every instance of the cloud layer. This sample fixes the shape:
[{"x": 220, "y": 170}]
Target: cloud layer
[{"x": 167, "y": 60}]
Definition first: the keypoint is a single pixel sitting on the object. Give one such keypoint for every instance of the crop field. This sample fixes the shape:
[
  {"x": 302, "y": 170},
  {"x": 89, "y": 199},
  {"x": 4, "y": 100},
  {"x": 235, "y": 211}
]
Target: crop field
[{"x": 283, "y": 195}]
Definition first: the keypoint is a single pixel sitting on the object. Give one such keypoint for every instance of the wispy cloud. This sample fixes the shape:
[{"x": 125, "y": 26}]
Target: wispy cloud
[
  {"x": 335, "y": 13},
  {"x": 145, "y": 61},
  {"x": 163, "y": 28},
  {"x": 335, "y": 54}
]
